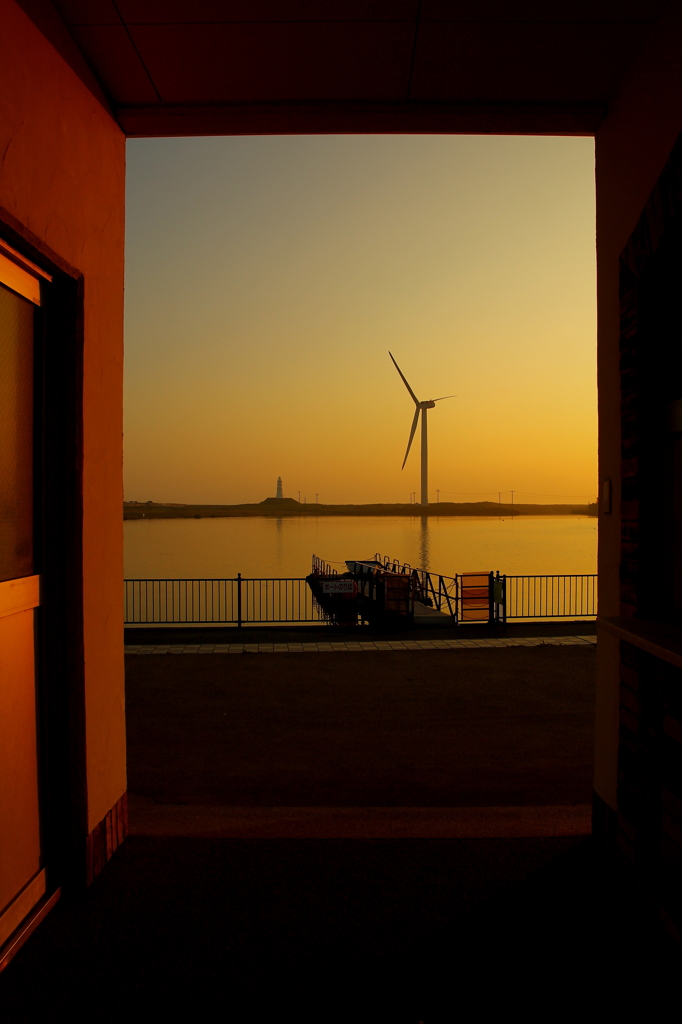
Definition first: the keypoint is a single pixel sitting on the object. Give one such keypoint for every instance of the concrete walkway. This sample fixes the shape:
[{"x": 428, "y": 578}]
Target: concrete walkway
[
  {"x": 423, "y": 742},
  {"x": 361, "y": 645},
  {"x": 148, "y": 818}
]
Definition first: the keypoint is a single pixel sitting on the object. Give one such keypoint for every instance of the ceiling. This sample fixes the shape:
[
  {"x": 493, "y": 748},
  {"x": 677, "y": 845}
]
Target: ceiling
[{"x": 187, "y": 67}]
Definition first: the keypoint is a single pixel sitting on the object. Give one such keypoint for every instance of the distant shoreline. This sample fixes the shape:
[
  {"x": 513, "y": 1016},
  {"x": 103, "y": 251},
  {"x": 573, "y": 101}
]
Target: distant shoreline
[{"x": 288, "y": 508}]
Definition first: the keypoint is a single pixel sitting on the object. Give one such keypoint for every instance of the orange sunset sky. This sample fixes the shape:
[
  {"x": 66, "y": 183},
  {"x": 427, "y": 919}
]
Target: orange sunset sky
[{"x": 268, "y": 276}]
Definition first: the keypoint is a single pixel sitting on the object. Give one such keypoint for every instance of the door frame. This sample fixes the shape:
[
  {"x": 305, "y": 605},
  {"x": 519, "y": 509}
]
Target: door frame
[{"x": 58, "y": 502}]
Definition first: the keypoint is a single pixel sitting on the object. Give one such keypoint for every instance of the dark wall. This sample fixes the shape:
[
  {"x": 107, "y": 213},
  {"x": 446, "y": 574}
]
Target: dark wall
[
  {"x": 651, "y": 405},
  {"x": 650, "y": 778}
]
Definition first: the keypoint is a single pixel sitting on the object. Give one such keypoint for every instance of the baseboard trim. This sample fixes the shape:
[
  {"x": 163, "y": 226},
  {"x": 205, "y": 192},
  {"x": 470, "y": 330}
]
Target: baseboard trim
[
  {"x": 26, "y": 929},
  {"x": 106, "y": 837}
]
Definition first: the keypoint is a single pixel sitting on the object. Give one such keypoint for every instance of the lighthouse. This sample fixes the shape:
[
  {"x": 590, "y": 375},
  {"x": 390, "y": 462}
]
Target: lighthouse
[{"x": 279, "y": 488}]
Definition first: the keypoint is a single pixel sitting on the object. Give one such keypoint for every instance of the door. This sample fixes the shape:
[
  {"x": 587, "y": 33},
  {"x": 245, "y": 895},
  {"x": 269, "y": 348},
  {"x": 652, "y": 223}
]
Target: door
[{"x": 22, "y": 874}]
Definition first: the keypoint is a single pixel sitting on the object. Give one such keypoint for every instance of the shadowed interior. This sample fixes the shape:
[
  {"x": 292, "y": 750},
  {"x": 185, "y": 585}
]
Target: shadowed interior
[{"x": 312, "y": 930}]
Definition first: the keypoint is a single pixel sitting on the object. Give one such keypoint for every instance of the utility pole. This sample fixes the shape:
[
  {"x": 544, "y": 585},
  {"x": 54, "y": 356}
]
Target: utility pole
[
  {"x": 299, "y": 497},
  {"x": 512, "y": 494},
  {"x": 316, "y": 497},
  {"x": 437, "y": 497}
]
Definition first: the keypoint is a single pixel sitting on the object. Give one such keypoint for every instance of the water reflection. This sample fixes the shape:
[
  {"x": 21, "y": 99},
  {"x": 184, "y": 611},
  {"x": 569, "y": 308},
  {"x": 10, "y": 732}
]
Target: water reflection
[
  {"x": 424, "y": 543},
  {"x": 279, "y": 544},
  {"x": 220, "y": 548}
]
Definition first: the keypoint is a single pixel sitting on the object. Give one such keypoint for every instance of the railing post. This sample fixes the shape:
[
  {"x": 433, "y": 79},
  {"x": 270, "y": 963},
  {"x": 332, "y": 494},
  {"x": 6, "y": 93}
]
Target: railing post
[
  {"x": 491, "y": 599},
  {"x": 500, "y": 598},
  {"x": 239, "y": 600}
]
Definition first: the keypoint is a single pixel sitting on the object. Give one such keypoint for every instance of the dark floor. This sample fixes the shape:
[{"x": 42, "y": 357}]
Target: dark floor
[
  {"x": 386, "y": 931},
  {"x": 484, "y": 727},
  {"x": 352, "y": 930}
]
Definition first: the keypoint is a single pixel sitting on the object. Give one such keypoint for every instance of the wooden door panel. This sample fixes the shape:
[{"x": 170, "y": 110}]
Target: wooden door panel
[
  {"x": 19, "y": 809},
  {"x": 22, "y": 878}
]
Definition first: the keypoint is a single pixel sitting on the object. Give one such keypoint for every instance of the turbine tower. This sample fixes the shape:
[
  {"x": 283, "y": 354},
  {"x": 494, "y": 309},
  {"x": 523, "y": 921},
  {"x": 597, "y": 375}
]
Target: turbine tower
[{"x": 422, "y": 408}]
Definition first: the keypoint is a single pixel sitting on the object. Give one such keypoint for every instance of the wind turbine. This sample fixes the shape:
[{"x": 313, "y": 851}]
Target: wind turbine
[{"x": 421, "y": 408}]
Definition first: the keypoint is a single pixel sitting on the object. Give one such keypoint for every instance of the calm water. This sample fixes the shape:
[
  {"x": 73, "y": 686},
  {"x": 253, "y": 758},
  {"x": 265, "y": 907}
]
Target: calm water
[{"x": 220, "y": 548}]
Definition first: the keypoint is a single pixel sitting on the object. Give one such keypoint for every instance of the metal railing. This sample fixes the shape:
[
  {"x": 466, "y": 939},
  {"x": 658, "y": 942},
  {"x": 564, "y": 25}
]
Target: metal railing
[
  {"x": 440, "y": 592},
  {"x": 235, "y": 601},
  {"x": 550, "y": 597},
  {"x": 561, "y": 596},
  {"x": 241, "y": 601},
  {"x": 322, "y": 568},
  {"x": 510, "y": 597}
]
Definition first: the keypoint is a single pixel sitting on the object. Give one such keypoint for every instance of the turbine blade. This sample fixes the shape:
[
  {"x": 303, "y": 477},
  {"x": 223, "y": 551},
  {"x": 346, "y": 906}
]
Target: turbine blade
[
  {"x": 415, "y": 421},
  {"x": 414, "y": 397},
  {"x": 442, "y": 399}
]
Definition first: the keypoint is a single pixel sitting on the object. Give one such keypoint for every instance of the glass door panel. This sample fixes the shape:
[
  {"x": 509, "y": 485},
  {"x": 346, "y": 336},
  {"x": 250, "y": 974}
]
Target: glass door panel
[{"x": 16, "y": 435}]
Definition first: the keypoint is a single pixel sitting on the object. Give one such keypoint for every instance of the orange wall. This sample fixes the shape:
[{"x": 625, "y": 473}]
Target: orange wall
[
  {"x": 63, "y": 178},
  {"x": 632, "y": 147}
]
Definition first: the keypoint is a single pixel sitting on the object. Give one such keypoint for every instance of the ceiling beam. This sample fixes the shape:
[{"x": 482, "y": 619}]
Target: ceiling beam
[{"x": 363, "y": 117}]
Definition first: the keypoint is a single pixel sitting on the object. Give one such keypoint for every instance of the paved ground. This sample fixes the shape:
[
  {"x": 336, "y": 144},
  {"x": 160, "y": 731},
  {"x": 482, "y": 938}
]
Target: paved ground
[
  {"x": 211, "y": 821},
  {"x": 425, "y": 728},
  {"x": 327, "y": 646}
]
